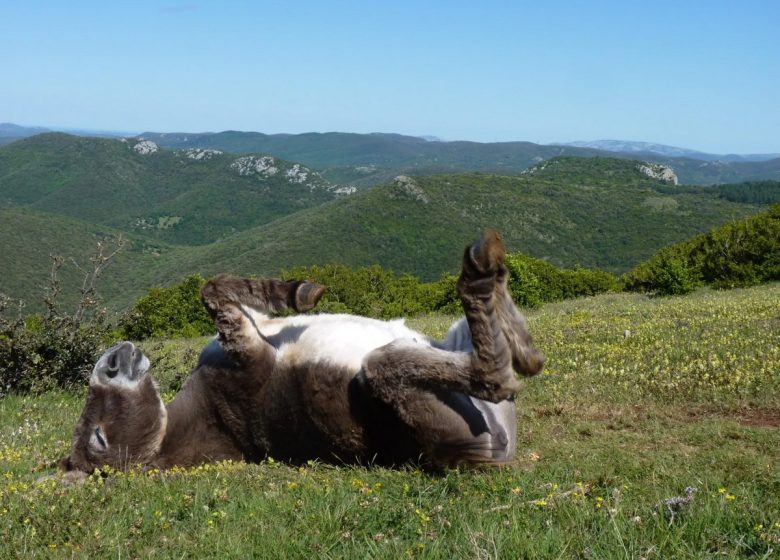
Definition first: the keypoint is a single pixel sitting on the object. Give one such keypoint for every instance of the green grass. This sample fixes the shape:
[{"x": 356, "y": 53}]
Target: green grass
[{"x": 640, "y": 399}]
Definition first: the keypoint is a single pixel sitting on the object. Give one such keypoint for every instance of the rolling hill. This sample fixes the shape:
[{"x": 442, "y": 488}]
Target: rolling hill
[
  {"x": 186, "y": 197},
  {"x": 595, "y": 212},
  {"x": 370, "y": 159},
  {"x": 599, "y": 212}
]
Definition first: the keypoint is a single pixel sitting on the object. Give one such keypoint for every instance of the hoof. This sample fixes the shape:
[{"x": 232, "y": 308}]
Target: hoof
[
  {"x": 487, "y": 254},
  {"x": 307, "y": 295}
]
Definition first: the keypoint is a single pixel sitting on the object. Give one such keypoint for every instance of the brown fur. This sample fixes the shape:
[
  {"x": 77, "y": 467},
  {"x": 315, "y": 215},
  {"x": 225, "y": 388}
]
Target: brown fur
[{"x": 408, "y": 401}]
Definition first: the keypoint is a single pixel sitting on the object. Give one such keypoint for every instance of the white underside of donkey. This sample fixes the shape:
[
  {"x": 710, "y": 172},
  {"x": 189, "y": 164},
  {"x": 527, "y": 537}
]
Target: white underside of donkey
[{"x": 346, "y": 340}]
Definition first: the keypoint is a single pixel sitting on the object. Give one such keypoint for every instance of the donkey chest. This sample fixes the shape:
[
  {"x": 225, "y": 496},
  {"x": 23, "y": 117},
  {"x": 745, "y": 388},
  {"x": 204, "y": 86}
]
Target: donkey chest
[{"x": 332, "y": 342}]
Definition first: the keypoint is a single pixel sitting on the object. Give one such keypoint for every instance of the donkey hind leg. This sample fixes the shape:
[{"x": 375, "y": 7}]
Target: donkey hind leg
[
  {"x": 225, "y": 298},
  {"x": 526, "y": 359},
  {"x": 486, "y": 371},
  {"x": 429, "y": 389},
  {"x": 478, "y": 286}
]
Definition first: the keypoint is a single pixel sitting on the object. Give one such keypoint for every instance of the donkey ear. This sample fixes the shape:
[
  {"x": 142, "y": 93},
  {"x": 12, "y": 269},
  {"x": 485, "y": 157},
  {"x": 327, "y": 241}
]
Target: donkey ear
[{"x": 307, "y": 294}]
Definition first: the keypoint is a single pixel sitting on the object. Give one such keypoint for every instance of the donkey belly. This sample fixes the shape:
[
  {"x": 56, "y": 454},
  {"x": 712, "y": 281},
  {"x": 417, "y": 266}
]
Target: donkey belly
[
  {"x": 338, "y": 341},
  {"x": 482, "y": 428}
]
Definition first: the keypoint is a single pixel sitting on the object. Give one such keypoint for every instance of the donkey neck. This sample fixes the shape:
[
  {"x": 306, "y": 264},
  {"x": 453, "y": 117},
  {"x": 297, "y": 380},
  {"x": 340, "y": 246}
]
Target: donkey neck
[{"x": 194, "y": 434}]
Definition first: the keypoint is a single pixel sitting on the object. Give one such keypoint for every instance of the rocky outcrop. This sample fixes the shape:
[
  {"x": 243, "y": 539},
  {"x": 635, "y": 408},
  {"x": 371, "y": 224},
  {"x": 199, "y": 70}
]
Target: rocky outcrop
[
  {"x": 201, "y": 154},
  {"x": 297, "y": 174},
  {"x": 145, "y": 147},
  {"x": 406, "y": 187},
  {"x": 255, "y": 165},
  {"x": 659, "y": 172}
]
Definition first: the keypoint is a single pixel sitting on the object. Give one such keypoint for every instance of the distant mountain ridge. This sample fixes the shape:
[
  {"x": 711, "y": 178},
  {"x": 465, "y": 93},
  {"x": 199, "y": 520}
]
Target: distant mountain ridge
[
  {"x": 372, "y": 159},
  {"x": 627, "y": 147}
]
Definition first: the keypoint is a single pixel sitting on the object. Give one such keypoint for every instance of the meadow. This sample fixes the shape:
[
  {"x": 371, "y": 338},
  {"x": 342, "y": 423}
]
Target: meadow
[{"x": 654, "y": 432}]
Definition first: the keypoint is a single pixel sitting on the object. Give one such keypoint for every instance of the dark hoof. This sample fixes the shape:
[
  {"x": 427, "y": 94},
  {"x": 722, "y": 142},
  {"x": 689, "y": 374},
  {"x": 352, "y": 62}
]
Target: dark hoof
[
  {"x": 530, "y": 363},
  {"x": 487, "y": 254},
  {"x": 307, "y": 295}
]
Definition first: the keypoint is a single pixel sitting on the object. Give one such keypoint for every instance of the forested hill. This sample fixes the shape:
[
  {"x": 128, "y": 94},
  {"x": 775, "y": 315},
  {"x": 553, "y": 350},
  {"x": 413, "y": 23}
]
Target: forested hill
[
  {"x": 596, "y": 212},
  {"x": 370, "y": 159},
  {"x": 186, "y": 197}
]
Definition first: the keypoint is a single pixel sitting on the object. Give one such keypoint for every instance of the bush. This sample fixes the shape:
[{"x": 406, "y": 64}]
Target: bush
[
  {"x": 172, "y": 312},
  {"x": 55, "y": 353},
  {"x": 57, "y": 349},
  {"x": 534, "y": 281},
  {"x": 675, "y": 278},
  {"x": 373, "y": 291},
  {"x": 741, "y": 253}
]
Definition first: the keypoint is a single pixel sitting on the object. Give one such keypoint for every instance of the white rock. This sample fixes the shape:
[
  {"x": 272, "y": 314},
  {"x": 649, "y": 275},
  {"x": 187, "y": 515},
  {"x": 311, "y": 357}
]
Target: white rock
[
  {"x": 406, "y": 186},
  {"x": 659, "y": 172},
  {"x": 202, "y": 153},
  {"x": 145, "y": 147},
  {"x": 259, "y": 165},
  {"x": 297, "y": 174}
]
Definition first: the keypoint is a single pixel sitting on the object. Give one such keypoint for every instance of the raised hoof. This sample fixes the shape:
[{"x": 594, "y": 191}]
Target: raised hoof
[
  {"x": 529, "y": 363},
  {"x": 307, "y": 294},
  {"x": 486, "y": 255}
]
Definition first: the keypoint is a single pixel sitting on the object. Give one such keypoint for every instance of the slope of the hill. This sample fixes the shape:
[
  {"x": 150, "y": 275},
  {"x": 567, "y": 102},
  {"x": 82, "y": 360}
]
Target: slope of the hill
[
  {"x": 186, "y": 197},
  {"x": 29, "y": 238},
  {"x": 595, "y": 212}
]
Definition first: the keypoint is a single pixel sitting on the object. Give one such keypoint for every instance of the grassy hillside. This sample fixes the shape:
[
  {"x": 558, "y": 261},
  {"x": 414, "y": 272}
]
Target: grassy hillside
[
  {"x": 181, "y": 197},
  {"x": 616, "y": 426},
  {"x": 370, "y": 159},
  {"x": 29, "y": 238}
]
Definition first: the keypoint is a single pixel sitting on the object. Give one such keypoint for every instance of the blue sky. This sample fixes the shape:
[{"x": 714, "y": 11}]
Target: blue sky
[{"x": 697, "y": 74}]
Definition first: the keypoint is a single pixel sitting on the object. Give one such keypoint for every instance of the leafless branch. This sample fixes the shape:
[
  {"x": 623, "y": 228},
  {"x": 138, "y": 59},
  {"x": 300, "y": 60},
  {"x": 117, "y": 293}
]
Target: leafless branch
[
  {"x": 53, "y": 291},
  {"x": 99, "y": 260}
]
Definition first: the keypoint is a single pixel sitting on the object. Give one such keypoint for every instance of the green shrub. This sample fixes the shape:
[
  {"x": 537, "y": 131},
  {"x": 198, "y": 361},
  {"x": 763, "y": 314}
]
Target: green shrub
[
  {"x": 675, "y": 277},
  {"x": 742, "y": 253},
  {"x": 523, "y": 281},
  {"x": 53, "y": 353},
  {"x": 373, "y": 291},
  {"x": 534, "y": 281},
  {"x": 174, "y": 311}
]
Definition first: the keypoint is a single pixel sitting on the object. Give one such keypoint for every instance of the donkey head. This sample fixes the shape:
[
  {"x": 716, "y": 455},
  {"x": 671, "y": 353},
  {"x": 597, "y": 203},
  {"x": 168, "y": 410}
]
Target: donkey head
[{"x": 124, "y": 420}]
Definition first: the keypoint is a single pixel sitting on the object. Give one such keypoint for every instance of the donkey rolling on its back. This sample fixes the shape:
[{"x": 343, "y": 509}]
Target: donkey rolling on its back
[{"x": 331, "y": 387}]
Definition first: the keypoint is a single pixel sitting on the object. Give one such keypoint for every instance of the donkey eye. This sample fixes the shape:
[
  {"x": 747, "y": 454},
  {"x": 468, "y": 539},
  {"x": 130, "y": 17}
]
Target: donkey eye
[{"x": 99, "y": 439}]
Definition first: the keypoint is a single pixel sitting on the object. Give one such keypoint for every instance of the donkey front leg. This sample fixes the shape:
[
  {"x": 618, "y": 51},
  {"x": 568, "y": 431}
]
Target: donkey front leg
[{"x": 225, "y": 298}]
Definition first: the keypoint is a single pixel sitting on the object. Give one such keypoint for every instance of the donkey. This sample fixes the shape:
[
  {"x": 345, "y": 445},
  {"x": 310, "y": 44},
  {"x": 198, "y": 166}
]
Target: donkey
[{"x": 336, "y": 388}]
